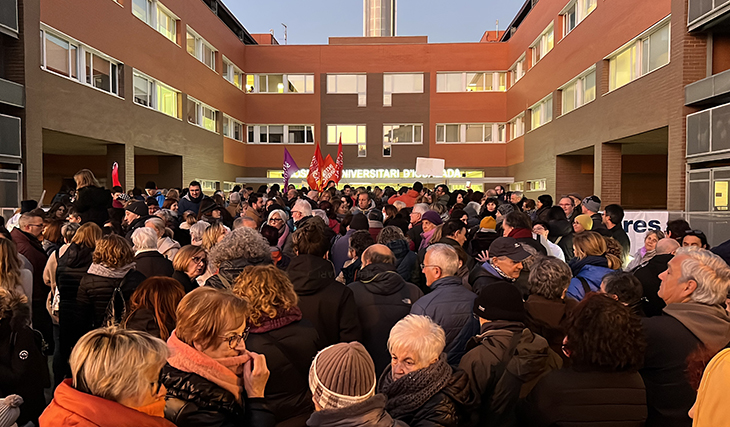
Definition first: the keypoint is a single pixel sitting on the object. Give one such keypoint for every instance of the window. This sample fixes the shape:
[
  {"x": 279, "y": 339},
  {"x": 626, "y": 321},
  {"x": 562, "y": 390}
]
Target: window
[
  {"x": 280, "y": 83},
  {"x": 517, "y": 127},
  {"x": 471, "y": 82},
  {"x": 281, "y": 134},
  {"x": 474, "y": 133},
  {"x": 579, "y": 91},
  {"x": 349, "y": 83},
  {"x": 156, "y": 16},
  {"x": 536, "y": 185},
  {"x": 232, "y": 73},
  {"x": 200, "y": 49},
  {"x": 232, "y": 128},
  {"x": 641, "y": 56},
  {"x": 403, "y": 134},
  {"x": 156, "y": 95},
  {"x": 542, "y": 112},
  {"x": 575, "y": 12},
  {"x": 542, "y": 45},
  {"x": 69, "y": 58},
  {"x": 517, "y": 71},
  {"x": 202, "y": 115},
  {"x": 400, "y": 83},
  {"x": 351, "y": 135}
]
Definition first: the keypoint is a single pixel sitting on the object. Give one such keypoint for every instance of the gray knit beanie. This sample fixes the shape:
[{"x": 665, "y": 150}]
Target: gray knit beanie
[{"x": 342, "y": 375}]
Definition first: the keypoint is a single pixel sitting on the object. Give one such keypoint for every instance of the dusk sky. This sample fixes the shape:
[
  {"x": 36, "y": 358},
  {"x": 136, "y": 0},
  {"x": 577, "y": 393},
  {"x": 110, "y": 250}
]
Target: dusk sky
[{"x": 313, "y": 21}]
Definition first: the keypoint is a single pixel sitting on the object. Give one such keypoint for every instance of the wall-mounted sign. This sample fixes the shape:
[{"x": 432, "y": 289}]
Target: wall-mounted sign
[
  {"x": 721, "y": 195},
  {"x": 383, "y": 174}
]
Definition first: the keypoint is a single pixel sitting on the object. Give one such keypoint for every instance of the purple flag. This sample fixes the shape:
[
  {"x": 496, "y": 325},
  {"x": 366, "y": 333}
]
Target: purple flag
[{"x": 290, "y": 167}]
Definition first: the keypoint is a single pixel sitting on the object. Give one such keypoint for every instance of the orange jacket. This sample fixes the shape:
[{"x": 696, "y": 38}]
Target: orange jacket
[
  {"x": 72, "y": 408},
  {"x": 409, "y": 198}
]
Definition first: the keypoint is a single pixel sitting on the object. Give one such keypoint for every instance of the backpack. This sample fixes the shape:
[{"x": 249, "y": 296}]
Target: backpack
[{"x": 110, "y": 316}]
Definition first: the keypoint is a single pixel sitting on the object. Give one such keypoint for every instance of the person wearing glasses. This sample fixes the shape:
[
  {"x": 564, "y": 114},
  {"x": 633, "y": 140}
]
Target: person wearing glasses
[
  {"x": 695, "y": 238},
  {"x": 189, "y": 263},
  {"x": 116, "y": 382},
  {"x": 278, "y": 219},
  {"x": 211, "y": 378}
]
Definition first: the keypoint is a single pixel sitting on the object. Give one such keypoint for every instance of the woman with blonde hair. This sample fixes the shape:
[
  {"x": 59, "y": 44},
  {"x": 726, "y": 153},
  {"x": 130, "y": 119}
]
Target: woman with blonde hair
[
  {"x": 116, "y": 382},
  {"x": 592, "y": 261},
  {"x": 208, "y": 355},
  {"x": 189, "y": 263},
  {"x": 92, "y": 200},
  {"x": 214, "y": 234},
  {"x": 13, "y": 276},
  {"x": 278, "y": 332},
  {"x": 153, "y": 305}
]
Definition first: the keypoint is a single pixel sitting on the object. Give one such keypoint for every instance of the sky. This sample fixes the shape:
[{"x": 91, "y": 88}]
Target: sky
[{"x": 313, "y": 21}]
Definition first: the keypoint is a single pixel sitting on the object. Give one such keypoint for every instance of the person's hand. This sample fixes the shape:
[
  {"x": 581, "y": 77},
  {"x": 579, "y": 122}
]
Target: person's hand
[
  {"x": 255, "y": 375},
  {"x": 482, "y": 256}
]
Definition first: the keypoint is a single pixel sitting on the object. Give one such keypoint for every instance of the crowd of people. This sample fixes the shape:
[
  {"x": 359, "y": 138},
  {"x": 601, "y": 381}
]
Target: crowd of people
[{"x": 355, "y": 307}]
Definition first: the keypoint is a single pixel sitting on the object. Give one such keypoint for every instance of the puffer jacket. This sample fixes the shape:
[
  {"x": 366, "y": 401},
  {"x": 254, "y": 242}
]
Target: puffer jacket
[
  {"x": 370, "y": 413},
  {"x": 325, "y": 302},
  {"x": 94, "y": 295},
  {"x": 231, "y": 269},
  {"x": 503, "y": 364},
  {"x": 409, "y": 198},
  {"x": 92, "y": 204},
  {"x": 382, "y": 298},
  {"x": 561, "y": 233},
  {"x": 193, "y": 401},
  {"x": 484, "y": 275},
  {"x": 406, "y": 261},
  {"x": 450, "y": 305},
  {"x": 592, "y": 269}
]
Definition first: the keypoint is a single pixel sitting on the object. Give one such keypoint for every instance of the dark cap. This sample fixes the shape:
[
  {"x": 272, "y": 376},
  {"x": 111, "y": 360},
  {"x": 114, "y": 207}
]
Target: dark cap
[
  {"x": 27, "y": 206},
  {"x": 433, "y": 217},
  {"x": 500, "y": 301},
  {"x": 139, "y": 207},
  {"x": 150, "y": 185},
  {"x": 509, "y": 247},
  {"x": 359, "y": 222}
]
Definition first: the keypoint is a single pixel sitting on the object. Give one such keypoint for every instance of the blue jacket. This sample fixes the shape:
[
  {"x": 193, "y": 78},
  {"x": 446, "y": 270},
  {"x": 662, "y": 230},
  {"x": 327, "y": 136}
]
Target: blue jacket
[
  {"x": 450, "y": 305},
  {"x": 593, "y": 274},
  {"x": 188, "y": 204}
]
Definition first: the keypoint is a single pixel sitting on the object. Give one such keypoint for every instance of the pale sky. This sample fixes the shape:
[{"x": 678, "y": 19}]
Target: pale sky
[{"x": 313, "y": 21}]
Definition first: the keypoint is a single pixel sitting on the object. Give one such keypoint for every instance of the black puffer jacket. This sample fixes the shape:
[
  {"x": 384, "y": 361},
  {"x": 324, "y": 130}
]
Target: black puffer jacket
[
  {"x": 561, "y": 233},
  {"x": 370, "y": 413},
  {"x": 325, "y": 302},
  {"x": 92, "y": 204},
  {"x": 187, "y": 283},
  {"x": 94, "y": 295},
  {"x": 382, "y": 298},
  {"x": 193, "y": 401},
  {"x": 289, "y": 351},
  {"x": 153, "y": 263}
]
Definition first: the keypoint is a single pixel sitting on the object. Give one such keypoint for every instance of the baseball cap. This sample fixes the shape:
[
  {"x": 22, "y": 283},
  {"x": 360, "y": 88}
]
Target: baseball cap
[{"x": 509, "y": 247}]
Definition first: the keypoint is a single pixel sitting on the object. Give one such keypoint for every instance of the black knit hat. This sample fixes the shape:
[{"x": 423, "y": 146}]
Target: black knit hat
[
  {"x": 139, "y": 207},
  {"x": 150, "y": 185},
  {"x": 27, "y": 206},
  {"x": 500, "y": 301},
  {"x": 359, "y": 222}
]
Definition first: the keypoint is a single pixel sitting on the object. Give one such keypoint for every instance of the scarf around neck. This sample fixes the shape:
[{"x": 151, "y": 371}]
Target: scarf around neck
[
  {"x": 225, "y": 373},
  {"x": 500, "y": 272},
  {"x": 520, "y": 233},
  {"x": 283, "y": 318},
  {"x": 577, "y": 264},
  {"x": 114, "y": 273},
  {"x": 411, "y": 391}
]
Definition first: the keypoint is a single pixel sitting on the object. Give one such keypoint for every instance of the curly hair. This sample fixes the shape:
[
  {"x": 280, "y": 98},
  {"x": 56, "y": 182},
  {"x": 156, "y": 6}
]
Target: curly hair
[
  {"x": 113, "y": 251},
  {"x": 242, "y": 242},
  {"x": 549, "y": 278},
  {"x": 603, "y": 335},
  {"x": 267, "y": 289},
  {"x": 614, "y": 248},
  {"x": 590, "y": 243},
  {"x": 389, "y": 234}
]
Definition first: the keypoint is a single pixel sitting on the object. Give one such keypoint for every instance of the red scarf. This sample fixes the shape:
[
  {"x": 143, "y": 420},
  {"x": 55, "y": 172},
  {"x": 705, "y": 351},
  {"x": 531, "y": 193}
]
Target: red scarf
[{"x": 520, "y": 233}]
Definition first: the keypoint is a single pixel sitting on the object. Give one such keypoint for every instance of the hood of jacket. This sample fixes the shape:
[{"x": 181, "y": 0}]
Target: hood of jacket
[
  {"x": 194, "y": 200},
  {"x": 16, "y": 309},
  {"x": 165, "y": 244},
  {"x": 399, "y": 249},
  {"x": 381, "y": 279},
  {"x": 370, "y": 413},
  {"x": 709, "y": 323},
  {"x": 233, "y": 267},
  {"x": 77, "y": 256},
  {"x": 310, "y": 274}
]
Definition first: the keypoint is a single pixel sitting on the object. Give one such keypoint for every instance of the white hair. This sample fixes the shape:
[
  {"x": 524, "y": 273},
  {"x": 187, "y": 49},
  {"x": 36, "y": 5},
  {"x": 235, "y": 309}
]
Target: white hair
[
  {"x": 444, "y": 256},
  {"x": 419, "y": 334},
  {"x": 399, "y": 204},
  {"x": 420, "y": 208},
  {"x": 304, "y": 206},
  {"x": 196, "y": 232},
  {"x": 144, "y": 238},
  {"x": 322, "y": 214},
  {"x": 159, "y": 225},
  {"x": 283, "y": 215},
  {"x": 710, "y": 272}
]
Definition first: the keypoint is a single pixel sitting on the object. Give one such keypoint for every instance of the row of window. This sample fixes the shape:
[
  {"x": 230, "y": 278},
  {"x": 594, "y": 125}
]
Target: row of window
[
  {"x": 156, "y": 16},
  {"x": 280, "y": 83}
]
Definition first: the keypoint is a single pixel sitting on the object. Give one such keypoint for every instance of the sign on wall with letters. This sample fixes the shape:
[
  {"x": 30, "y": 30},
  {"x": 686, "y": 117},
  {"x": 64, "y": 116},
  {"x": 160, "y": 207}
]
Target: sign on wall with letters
[{"x": 638, "y": 223}]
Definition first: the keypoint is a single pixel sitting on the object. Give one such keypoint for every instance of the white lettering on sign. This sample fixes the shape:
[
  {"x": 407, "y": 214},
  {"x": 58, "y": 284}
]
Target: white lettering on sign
[
  {"x": 381, "y": 173},
  {"x": 637, "y": 223}
]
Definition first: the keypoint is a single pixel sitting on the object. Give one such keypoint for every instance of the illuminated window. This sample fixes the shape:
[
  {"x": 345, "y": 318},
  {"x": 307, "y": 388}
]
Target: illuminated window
[
  {"x": 470, "y": 133},
  {"x": 542, "y": 112},
  {"x": 400, "y": 83},
  {"x": 543, "y": 44},
  {"x": 641, "y": 56},
  {"x": 202, "y": 115},
  {"x": 349, "y": 84},
  {"x": 351, "y": 135},
  {"x": 232, "y": 73},
  {"x": 579, "y": 91},
  {"x": 471, "y": 82},
  {"x": 157, "y": 16},
  {"x": 575, "y": 12},
  {"x": 517, "y": 71},
  {"x": 200, "y": 49},
  {"x": 517, "y": 126},
  {"x": 156, "y": 95},
  {"x": 280, "y": 83},
  {"x": 281, "y": 134}
]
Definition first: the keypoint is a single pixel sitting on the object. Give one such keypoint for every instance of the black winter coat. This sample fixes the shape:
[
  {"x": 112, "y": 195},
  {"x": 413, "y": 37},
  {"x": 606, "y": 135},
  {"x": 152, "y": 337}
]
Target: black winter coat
[
  {"x": 415, "y": 235},
  {"x": 398, "y": 221},
  {"x": 648, "y": 275},
  {"x": 382, "y": 298},
  {"x": 92, "y": 204},
  {"x": 153, "y": 263},
  {"x": 193, "y": 401},
  {"x": 94, "y": 295},
  {"x": 230, "y": 270},
  {"x": 328, "y": 304},
  {"x": 561, "y": 233},
  {"x": 187, "y": 283},
  {"x": 586, "y": 398},
  {"x": 289, "y": 352},
  {"x": 406, "y": 261},
  {"x": 137, "y": 223},
  {"x": 370, "y": 413},
  {"x": 144, "y": 320}
]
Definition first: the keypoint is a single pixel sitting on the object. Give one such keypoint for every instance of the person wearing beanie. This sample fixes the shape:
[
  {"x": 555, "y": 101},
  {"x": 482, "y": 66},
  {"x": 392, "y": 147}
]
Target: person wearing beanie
[
  {"x": 135, "y": 215},
  {"x": 234, "y": 205},
  {"x": 151, "y": 189},
  {"x": 590, "y": 206},
  {"x": 429, "y": 221},
  {"x": 485, "y": 235},
  {"x": 582, "y": 223},
  {"x": 423, "y": 389},
  {"x": 341, "y": 247},
  {"x": 342, "y": 381},
  {"x": 504, "y": 359}
]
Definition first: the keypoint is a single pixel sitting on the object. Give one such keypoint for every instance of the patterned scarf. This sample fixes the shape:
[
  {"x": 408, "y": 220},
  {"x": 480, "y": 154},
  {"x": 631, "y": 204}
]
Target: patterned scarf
[
  {"x": 283, "y": 318},
  {"x": 411, "y": 391}
]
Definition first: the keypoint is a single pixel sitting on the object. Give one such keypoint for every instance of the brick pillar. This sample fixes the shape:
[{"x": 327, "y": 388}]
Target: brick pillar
[
  {"x": 607, "y": 177},
  {"x": 124, "y": 156}
]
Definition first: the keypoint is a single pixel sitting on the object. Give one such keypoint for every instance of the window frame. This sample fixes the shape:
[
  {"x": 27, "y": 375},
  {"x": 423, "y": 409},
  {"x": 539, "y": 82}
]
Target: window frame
[
  {"x": 285, "y": 129},
  {"x": 579, "y": 82},
  {"x": 542, "y": 41},
  {"x": 637, "y": 43},
  {"x": 154, "y": 8},
  {"x": 495, "y": 75},
  {"x": 413, "y": 132},
  {"x": 284, "y": 82},
  {"x": 229, "y": 123},
  {"x": 360, "y": 131},
  {"x": 388, "y": 91},
  {"x": 513, "y": 126},
  {"x": 200, "y": 108},
  {"x": 518, "y": 69},
  {"x": 463, "y": 127},
  {"x": 200, "y": 45},
  {"x": 228, "y": 71},
  {"x": 582, "y": 10},
  {"x": 361, "y": 86},
  {"x": 153, "y": 86},
  {"x": 544, "y": 110}
]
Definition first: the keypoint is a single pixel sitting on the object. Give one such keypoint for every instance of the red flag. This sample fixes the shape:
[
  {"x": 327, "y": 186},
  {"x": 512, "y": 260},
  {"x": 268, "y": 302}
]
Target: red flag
[
  {"x": 314, "y": 178},
  {"x": 340, "y": 162},
  {"x": 329, "y": 171},
  {"x": 115, "y": 175}
]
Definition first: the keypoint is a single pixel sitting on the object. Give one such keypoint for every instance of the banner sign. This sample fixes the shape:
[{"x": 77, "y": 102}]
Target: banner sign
[{"x": 637, "y": 223}]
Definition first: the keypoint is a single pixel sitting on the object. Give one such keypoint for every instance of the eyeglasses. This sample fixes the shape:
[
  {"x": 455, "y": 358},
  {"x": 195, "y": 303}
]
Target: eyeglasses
[
  {"x": 235, "y": 340},
  {"x": 429, "y": 266},
  {"x": 199, "y": 259},
  {"x": 276, "y": 220}
]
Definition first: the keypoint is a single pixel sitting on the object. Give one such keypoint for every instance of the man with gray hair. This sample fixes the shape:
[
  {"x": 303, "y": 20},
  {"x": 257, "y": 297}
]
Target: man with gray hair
[
  {"x": 301, "y": 211},
  {"x": 449, "y": 304},
  {"x": 416, "y": 228},
  {"x": 150, "y": 261},
  {"x": 694, "y": 286},
  {"x": 648, "y": 275}
]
